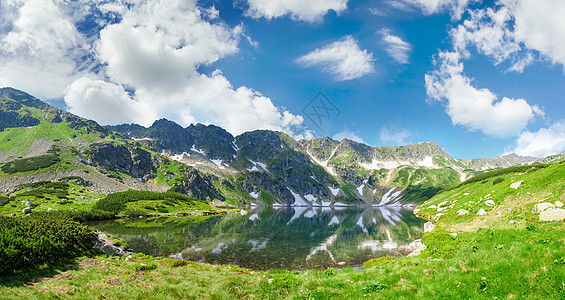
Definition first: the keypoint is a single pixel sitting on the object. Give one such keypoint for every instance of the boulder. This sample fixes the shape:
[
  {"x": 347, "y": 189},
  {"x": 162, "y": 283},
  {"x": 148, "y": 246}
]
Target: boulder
[
  {"x": 490, "y": 203},
  {"x": 416, "y": 211},
  {"x": 558, "y": 204},
  {"x": 26, "y": 210},
  {"x": 429, "y": 226},
  {"x": 27, "y": 202},
  {"x": 516, "y": 184},
  {"x": 538, "y": 208},
  {"x": 416, "y": 247},
  {"x": 552, "y": 214},
  {"x": 243, "y": 212},
  {"x": 482, "y": 212},
  {"x": 462, "y": 212}
]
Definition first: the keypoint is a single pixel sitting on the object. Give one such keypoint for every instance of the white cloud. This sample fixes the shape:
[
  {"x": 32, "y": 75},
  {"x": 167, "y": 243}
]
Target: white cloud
[
  {"x": 346, "y": 134},
  {"x": 456, "y": 8},
  {"x": 343, "y": 59},
  {"x": 147, "y": 58},
  {"x": 542, "y": 143},
  {"x": 105, "y": 102},
  {"x": 395, "y": 46},
  {"x": 41, "y": 52},
  {"x": 476, "y": 109},
  {"x": 309, "y": 11},
  {"x": 514, "y": 31},
  {"x": 540, "y": 26},
  {"x": 393, "y": 135}
]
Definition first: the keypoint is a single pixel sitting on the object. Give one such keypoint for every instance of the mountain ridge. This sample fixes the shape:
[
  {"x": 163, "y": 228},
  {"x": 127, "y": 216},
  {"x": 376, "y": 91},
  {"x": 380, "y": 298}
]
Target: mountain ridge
[{"x": 261, "y": 167}]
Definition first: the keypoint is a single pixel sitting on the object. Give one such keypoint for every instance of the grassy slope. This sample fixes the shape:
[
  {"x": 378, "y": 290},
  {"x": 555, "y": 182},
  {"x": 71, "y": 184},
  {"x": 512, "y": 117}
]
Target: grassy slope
[{"x": 488, "y": 258}]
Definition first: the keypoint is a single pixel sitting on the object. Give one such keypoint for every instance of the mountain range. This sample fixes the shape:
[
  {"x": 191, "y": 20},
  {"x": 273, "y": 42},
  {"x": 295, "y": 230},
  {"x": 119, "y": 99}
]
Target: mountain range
[{"x": 261, "y": 167}]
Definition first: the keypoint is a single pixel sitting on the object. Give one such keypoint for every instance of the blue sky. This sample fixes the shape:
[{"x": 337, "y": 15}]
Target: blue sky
[{"x": 481, "y": 78}]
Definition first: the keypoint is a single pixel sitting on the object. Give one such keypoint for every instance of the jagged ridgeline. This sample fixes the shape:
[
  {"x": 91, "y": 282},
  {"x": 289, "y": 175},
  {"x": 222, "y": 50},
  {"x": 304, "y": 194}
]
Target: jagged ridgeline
[{"x": 41, "y": 143}]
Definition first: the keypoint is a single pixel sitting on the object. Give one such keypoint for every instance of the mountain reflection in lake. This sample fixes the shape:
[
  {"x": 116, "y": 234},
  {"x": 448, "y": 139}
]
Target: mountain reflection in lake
[{"x": 288, "y": 238}]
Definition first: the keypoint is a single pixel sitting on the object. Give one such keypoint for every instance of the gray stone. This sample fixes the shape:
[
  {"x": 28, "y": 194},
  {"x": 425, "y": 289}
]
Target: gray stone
[
  {"x": 416, "y": 211},
  {"x": 433, "y": 206},
  {"x": 541, "y": 207},
  {"x": 482, "y": 212},
  {"x": 516, "y": 184},
  {"x": 27, "y": 202},
  {"x": 429, "y": 226},
  {"x": 558, "y": 204},
  {"x": 26, "y": 210},
  {"x": 511, "y": 222},
  {"x": 552, "y": 214},
  {"x": 462, "y": 212},
  {"x": 490, "y": 203},
  {"x": 243, "y": 212},
  {"x": 416, "y": 247}
]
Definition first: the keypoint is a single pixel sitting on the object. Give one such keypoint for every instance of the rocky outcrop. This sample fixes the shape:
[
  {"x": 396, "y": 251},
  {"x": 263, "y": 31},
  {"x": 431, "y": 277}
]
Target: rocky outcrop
[
  {"x": 133, "y": 160},
  {"x": 199, "y": 186}
]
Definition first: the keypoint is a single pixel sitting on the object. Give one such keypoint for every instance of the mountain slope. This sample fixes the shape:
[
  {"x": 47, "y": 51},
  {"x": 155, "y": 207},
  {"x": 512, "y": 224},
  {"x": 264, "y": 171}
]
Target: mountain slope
[{"x": 207, "y": 162}]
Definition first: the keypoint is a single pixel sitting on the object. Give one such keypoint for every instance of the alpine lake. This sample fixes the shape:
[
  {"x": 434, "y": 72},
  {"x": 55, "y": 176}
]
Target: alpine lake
[{"x": 274, "y": 238}]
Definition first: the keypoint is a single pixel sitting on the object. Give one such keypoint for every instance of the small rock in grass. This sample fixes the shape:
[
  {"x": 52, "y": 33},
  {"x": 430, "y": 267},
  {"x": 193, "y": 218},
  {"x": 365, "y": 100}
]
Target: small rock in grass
[
  {"x": 433, "y": 206},
  {"x": 429, "y": 226},
  {"x": 243, "y": 212},
  {"x": 466, "y": 194},
  {"x": 558, "y": 204},
  {"x": 482, "y": 212},
  {"x": 462, "y": 212},
  {"x": 516, "y": 184},
  {"x": 511, "y": 222},
  {"x": 416, "y": 211},
  {"x": 538, "y": 208},
  {"x": 552, "y": 214},
  {"x": 26, "y": 210},
  {"x": 454, "y": 234},
  {"x": 490, "y": 203}
]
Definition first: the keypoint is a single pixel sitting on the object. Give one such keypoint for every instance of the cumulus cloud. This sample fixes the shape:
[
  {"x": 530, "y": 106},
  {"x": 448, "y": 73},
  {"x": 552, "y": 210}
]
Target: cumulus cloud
[
  {"x": 394, "y": 135},
  {"x": 542, "y": 143},
  {"x": 346, "y": 134},
  {"x": 343, "y": 59},
  {"x": 395, "y": 46},
  {"x": 456, "y": 8},
  {"x": 43, "y": 51},
  {"x": 309, "y": 11},
  {"x": 540, "y": 26},
  {"x": 106, "y": 102},
  {"x": 475, "y": 108},
  {"x": 516, "y": 32},
  {"x": 136, "y": 64}
]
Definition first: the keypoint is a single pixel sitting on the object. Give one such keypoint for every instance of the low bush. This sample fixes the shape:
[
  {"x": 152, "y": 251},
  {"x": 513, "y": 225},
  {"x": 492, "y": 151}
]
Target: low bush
[
  {"x": 30, "y": 164},
  {"x": 116, "y": 202},
  {"x": 38, "y": 239},
  {"x": 497, "y": 180}
]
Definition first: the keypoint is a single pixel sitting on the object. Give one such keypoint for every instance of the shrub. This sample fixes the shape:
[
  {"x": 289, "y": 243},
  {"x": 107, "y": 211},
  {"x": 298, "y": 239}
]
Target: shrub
[
  {"x": 497, "y": 180},
  {"x": 116, "y": 202},
  {"x": 375, "y": 261},
  {"x": 38, "y": 239},
  {"x": 144, "y": 267},
  {"x": 30, "y": 164}
]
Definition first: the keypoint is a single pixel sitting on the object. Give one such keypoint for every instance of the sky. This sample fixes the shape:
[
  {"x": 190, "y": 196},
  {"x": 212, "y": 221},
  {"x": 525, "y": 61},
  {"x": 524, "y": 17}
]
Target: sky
[{"x": 480, "y": 78}]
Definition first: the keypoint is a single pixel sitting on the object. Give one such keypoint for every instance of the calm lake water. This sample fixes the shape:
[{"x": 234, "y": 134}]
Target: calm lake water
[{"x": 288, "y": 238}]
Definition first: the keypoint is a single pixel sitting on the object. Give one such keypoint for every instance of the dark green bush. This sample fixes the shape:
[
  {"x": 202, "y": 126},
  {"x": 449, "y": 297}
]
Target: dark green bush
[
  {"x": 116, "y": 202},
  {"x": 30, "y": 164},
  {"x": 39, "y": 239},
  {"x": 497, "y": 180}
]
